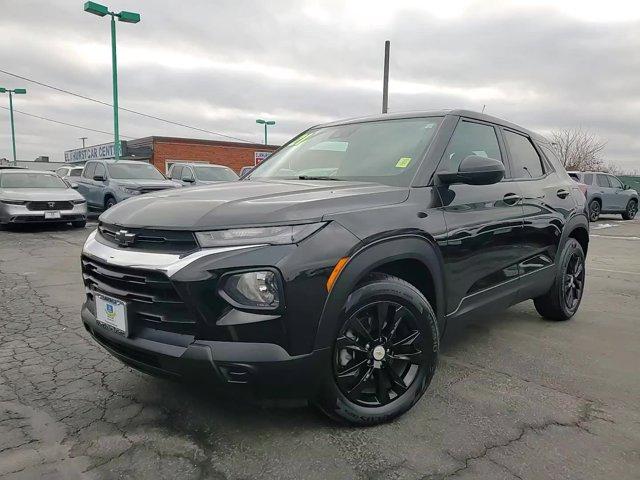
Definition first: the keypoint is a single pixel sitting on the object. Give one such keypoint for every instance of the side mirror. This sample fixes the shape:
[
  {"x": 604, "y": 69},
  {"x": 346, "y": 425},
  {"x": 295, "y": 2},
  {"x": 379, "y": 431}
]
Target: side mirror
[
  {"x": 99, "y": 178},
  {"x": 625, "y": 187},
  {"x": 475, "y": 170},
  {"x": 74, "y": 185}
]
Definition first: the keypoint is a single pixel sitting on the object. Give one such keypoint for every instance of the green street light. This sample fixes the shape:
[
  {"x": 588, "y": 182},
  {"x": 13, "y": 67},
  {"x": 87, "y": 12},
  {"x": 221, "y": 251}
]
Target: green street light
[
  {"x": 265, "y": 123},
  {"x": 16, "y": 91},
  {"x": 127, "y": 17}
]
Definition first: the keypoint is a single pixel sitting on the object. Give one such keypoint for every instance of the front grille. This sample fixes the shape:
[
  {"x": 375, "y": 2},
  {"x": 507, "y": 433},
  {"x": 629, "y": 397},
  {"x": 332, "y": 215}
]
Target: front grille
[
  {"x": 152, "y": 189},
  {"x": 152, "y": 301},
  {"x": 58, "y": 205},
  {"x": 170, "y": 241}
]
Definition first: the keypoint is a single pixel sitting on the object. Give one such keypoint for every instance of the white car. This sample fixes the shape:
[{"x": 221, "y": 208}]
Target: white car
[{"x": 69, "y": 171}]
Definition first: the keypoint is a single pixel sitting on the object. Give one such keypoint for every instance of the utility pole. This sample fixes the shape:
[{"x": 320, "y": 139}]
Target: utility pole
[
  {"x": 83, "y": 139},
  {"x": 17, "y": 91},
  {"x": 385, "y": 78}
]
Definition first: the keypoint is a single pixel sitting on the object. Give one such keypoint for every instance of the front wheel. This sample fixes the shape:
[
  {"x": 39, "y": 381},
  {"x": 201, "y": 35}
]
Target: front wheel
[
  {"x": 384, "y": 355},
  {"x": 562, "y": 300},
  {"x": 109, "y": 202},
  {"x": 631, "y": 210},
  {"x": 594, "y": 210},
  {"x": 79, "y": 223}
]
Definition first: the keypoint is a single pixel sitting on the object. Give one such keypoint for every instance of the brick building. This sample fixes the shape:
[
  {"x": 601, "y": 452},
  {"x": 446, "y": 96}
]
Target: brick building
[{"x": 164, "y": 151}]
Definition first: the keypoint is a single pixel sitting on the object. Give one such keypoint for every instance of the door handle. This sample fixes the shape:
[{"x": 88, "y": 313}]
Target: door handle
[
  {"x": 563, "y": 193},
  {"x": 511, "y": 198}
]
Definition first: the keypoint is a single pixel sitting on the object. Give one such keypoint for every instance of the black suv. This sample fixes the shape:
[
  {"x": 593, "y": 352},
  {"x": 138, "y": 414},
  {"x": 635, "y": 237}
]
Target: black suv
[{"x": 331, "y": 271}]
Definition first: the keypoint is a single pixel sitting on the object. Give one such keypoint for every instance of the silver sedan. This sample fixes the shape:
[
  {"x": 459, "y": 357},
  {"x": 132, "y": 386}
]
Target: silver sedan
[{"x": 29, "y": 196}]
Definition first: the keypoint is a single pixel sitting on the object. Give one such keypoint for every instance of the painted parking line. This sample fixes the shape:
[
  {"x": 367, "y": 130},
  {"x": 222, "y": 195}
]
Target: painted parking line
[
  {"x": 615, "y": 237},
  {"x": 612, "y": 271}
]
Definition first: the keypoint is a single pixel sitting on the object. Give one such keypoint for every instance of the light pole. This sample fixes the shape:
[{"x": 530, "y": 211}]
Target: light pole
[
  {"x": 83, "y": 139},
  {"x": 265, "y": 123},
  {"x": 127, "y": 17},
  {"x": 17, "y": 91}
]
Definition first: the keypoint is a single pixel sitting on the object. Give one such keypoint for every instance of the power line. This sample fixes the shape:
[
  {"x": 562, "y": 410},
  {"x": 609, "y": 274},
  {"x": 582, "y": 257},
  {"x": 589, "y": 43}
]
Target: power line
[
  {"x": 95, "y": 100},
  {"x": 63, "y": 123}
]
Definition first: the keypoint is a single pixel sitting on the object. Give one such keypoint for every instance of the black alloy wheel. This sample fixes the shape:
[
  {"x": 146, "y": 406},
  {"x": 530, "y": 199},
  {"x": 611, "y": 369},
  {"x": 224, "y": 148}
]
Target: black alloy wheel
[
  {"x": 384, "y": 353},
  {"x": 594, "y": 210},
  {"x": 110, "y": 202},
  {"x": 378, "y": 353},
  {"x": 574, "y": 281},
  {"x": 630, "y": 212}
]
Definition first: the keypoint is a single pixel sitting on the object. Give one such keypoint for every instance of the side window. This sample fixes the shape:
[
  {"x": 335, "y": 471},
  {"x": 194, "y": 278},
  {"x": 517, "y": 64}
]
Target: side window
[
  {"x": 89, "y": 168},
  {"x": 602, "y": 180},
  {"x": 615, "y": 182},
  {"x": 526, "y": 161},
  {"x": 588, "y": 178},
  {"x": 100, "y": 170},
  {"x": 470, "y": 138},
  {"x": 176, "y": 172},
  {"x": 187, "y": 173}
]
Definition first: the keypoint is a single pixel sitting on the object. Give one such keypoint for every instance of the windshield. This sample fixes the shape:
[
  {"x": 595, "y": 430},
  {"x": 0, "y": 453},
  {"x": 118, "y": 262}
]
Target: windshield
[
  {"x": 386, "y": 151},
  {"x": 215, "y": 174},
  {"x": 75, "y": 172},
  {"x": 141, "y": 171},
  {"x": 31, "y": 180}
]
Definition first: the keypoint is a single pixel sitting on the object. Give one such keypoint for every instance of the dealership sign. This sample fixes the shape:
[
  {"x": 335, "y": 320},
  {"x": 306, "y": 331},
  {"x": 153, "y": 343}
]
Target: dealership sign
[
  {"x": 96, "y": 152},
  {"x": 259, "y": 157}
]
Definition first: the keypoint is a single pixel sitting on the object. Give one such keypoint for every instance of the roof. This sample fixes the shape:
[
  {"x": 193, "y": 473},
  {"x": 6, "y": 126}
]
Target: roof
[
  {"x": 147, "y": 141},
  {"x": 437, "y": 113},
  {"x": 26, "y": 170},
  {"x": 199, "y": 164}
]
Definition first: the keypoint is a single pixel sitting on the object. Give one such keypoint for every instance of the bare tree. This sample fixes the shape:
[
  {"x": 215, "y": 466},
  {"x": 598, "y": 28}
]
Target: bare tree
[{"x": 578, "y": 149}]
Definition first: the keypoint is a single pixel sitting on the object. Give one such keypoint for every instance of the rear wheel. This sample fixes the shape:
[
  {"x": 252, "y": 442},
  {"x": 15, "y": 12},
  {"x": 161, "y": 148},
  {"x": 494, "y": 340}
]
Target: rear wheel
[
  {"x": 561, "y": 302},
  {"x": 631, "y": 210},
  {"x": 385, "y": 353},
  {"x": 594, "y": 210}
]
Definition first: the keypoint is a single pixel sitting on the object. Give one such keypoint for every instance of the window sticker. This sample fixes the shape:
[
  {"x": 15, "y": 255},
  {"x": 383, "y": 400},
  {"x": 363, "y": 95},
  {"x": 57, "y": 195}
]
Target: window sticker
[{"x": 403, "y": 162}]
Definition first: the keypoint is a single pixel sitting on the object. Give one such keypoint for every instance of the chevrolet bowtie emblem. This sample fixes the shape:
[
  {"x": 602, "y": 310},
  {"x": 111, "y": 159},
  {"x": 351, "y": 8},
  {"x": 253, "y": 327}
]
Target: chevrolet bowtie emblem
[{"x": 124, "y": 238}]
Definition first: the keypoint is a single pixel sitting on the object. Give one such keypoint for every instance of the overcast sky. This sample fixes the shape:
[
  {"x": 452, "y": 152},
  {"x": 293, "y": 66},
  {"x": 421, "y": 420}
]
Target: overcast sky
[{"x": 219, "y": 65}]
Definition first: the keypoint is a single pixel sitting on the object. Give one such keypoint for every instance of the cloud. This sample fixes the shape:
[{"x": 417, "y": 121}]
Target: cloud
[{"x": 220, "y": 65}]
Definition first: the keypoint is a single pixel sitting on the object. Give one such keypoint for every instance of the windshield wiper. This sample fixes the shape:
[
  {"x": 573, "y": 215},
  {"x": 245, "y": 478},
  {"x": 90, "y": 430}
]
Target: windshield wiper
[{"x": 318, "y": 177}]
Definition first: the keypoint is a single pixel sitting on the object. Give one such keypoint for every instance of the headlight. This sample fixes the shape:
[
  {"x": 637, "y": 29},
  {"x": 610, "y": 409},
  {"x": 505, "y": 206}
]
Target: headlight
[
  {"x": 260, "y": 289},
  {"x": 78, "y": 202},
  {"x": 130, "y": 191},
  {"x": 280, "y": 235},
  {"x": 13, "y": 202}
]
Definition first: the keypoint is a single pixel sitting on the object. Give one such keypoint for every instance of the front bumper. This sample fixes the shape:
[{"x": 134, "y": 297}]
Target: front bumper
[
  {"x": 254, "y": 369},
  {"x": 21, "y": 214}
]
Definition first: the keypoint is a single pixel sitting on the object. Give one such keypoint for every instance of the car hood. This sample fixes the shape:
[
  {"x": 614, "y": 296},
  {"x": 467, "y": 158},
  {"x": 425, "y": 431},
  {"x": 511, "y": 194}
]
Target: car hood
[
  {"x": 141, "y": 183},
  {"x": 42, "y": 194},
  {"x": 250, "y": 203}
]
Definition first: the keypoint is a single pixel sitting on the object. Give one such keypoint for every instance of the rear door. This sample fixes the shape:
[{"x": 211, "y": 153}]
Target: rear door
[
  {"x": 547, "y": 204},
  {"x": 484, "y": 226},
  {"x": 607, "y": 193},
  {"x": 85, "y": 182}
]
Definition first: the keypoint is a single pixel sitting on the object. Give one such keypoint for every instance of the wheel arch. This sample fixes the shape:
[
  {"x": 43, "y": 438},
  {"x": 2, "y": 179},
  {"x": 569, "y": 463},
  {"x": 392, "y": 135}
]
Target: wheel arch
[
  {"x": 578, "y": 228},
  {"x": 407, "y": 256}
]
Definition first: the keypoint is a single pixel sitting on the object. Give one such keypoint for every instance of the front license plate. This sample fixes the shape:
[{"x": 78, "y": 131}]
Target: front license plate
[
  {"x": 112, "y": 314},
  {"x": 51, "y": 215}
]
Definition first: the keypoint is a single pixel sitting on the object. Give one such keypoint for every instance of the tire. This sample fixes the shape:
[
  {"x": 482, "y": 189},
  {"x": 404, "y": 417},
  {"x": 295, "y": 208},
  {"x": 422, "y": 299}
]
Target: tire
[
  {"x": 397, "y": 361},
  {"x": 631, "y": 210},
  {"x": 79, "y": 224},
  {"x": 555, "y": 304},
  {"x": 594, "y": 210},
  {"x": 109, "y": 202}
]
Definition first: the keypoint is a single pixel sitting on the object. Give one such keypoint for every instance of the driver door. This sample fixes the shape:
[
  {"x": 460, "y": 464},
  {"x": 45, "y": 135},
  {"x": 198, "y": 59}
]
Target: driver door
[{"x": 484, "y": 226}]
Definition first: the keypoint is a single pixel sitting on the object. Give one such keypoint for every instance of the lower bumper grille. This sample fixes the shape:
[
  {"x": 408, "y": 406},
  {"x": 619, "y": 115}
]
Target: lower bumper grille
[
  {"x": 152, "y": 301},
  {"x": 57, "y": 205}
]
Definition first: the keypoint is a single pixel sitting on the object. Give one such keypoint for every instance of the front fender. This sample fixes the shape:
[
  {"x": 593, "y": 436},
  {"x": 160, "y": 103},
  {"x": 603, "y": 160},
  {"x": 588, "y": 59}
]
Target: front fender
[{"x": 367, "y": 259}]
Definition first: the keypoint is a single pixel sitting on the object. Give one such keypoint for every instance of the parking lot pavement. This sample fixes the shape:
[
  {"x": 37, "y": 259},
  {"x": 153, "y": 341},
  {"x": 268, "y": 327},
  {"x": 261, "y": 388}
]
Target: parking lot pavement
[{"x": 514, "y": 396}]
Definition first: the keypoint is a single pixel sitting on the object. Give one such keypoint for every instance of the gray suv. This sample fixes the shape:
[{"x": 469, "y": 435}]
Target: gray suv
[
  {"x": 106, "y": 182},
  {"x": 607, "y": 194},
  {"x": 189, "y": 174}
]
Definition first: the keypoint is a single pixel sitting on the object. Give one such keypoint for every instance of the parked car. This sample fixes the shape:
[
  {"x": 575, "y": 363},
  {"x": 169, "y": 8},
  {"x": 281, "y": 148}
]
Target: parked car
[
  {"x": 106, "y": 182},
  {"x": 70, "y": 171},
  {"x": 607, "y": 194},
  {"x": 338, "y": 287},
  {"x": 31, "y": 196},
  {"x": 188, "y": 174}
]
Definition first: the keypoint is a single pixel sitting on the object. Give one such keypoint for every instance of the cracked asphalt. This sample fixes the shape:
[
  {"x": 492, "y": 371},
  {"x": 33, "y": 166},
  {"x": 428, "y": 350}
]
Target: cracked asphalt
[{"x": 514, "y": 396}]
